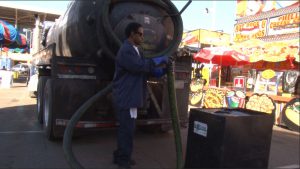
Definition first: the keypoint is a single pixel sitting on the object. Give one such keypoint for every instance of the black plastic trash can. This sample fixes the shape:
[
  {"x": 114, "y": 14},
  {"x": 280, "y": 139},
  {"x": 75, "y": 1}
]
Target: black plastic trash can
[{"x": 228, "y": 138}]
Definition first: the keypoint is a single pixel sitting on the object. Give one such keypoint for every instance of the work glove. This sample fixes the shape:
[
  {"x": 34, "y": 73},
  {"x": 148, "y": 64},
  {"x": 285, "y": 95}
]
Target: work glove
[
  {"x": 161, "y": 64},
  {"x": 160, "y": 60},
  {"x": 158, "y": 72}
]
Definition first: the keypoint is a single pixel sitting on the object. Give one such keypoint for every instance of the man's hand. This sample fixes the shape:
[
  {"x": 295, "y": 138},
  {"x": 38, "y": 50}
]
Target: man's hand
[
  {"x": 158, "y": 61},
  {"x": 158, "y": 72},
  {"x": 163, "y": 61}
]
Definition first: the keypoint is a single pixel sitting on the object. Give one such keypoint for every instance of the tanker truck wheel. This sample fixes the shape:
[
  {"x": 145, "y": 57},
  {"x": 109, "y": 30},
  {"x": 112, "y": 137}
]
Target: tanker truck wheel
[
  {"x": 40, "y": 98},
  {"x": 48, "y": 113}
]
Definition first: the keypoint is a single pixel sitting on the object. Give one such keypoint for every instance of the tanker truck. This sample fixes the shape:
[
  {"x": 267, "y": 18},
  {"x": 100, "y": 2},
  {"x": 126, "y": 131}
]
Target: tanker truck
[{"x": 77, "y": 61}]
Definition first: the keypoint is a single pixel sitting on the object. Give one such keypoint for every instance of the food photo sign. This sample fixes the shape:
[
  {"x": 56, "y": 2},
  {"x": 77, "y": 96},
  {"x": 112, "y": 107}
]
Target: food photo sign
[
  {"x": 214, "y": 98},
  {"x": 267, "y": 82},
  {"x": 219, "y": 98},
  {"x": 291, "y": 114},
  {"x": 235, "y": 99}
]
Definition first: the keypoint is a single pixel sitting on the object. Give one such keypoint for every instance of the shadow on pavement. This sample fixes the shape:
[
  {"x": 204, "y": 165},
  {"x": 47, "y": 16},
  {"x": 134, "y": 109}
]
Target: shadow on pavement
[{"x": 18, "y": 118}]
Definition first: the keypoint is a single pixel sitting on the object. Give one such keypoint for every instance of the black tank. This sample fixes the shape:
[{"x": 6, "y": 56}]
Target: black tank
[{"x": 95, "y": 29}]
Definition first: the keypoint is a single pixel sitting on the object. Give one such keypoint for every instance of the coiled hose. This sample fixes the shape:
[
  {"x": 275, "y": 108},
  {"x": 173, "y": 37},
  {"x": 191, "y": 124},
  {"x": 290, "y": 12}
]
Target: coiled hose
[
  {"x": 107, "y": 30},
  {"x": 67, "y": 139}
]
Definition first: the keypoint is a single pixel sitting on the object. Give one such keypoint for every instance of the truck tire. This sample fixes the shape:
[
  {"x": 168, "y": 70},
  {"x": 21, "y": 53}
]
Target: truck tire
[
  {"x": 40, "y": 98},
  {"x": 48, "y": 113}
]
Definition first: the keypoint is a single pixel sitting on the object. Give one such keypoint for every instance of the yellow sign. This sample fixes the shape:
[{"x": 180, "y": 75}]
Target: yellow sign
[
  {"x": 191, "y": 38},
  {"x": 214, "y": 38},
  {"x": 251, "y": 7},
  {"x": 284, "y": 24},
  {"x": 250, "y": 30},
  {"x": 268, "y": 74},
  {"x": 258, "y": 50},
  {"x": 197, "y": 37}
]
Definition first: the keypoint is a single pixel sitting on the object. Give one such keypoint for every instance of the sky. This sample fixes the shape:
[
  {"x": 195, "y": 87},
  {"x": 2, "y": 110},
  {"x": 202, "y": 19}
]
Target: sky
[{"x": 221, "y": 15}]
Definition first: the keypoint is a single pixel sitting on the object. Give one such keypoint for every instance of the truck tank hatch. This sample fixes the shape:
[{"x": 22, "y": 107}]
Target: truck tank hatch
[{"x": 158, "y": 29}]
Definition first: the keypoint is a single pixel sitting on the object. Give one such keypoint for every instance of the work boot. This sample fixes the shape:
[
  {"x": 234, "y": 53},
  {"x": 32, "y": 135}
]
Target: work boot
[
  {"x": 131, "y": 162},
  {"x": 124, "y": 167},
  {"x": 116, "y": 159}
]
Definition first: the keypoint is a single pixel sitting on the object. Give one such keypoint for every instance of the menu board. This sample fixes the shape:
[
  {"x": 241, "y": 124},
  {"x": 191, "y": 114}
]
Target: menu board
[
  {"x": 284, "y": 24},
  {"x": 250, "y": 30},
  {"x": 267, "y": 82}
]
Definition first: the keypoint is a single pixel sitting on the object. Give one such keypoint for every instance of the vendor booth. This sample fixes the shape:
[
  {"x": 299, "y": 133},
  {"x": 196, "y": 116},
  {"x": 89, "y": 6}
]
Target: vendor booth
[
  {"x": 274, "y": 58},
  {"x": 265, "y": 73}
]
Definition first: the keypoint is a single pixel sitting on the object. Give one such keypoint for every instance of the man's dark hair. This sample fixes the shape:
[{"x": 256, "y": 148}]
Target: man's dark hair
[{"x": 132, "y": 27}]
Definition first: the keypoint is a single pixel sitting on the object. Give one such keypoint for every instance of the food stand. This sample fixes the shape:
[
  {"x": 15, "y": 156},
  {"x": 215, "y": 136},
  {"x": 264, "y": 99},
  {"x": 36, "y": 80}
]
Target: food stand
[
  {"x": 271, "y": 39},
  {"x": 270, "y": 82},
  {"x": 213, "y": 96},
  {"x": 192, "y": 42}
]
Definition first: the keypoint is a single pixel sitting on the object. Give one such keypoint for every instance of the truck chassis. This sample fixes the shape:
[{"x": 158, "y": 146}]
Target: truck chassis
[{"x": 65, "y": 83}]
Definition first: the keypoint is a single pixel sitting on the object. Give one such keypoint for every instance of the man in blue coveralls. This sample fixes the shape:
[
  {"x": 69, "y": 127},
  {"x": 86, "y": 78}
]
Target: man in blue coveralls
[{"x": 129, "y": 89}]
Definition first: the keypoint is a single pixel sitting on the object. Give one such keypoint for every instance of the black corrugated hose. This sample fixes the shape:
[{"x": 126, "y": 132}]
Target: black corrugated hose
[{"x": 105, "y": 25}]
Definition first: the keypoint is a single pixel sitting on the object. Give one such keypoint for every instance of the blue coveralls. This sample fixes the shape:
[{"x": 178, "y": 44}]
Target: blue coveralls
[{"x": 129, "y": 91}]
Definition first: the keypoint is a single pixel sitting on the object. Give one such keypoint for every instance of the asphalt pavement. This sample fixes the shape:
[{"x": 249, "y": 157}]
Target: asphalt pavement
[{"x": 23, "y": 143}]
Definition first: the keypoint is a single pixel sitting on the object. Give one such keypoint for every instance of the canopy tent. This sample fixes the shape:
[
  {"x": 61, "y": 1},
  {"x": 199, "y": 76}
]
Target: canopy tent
[
  {"x": 8, "y": 33},
  {"x": 223, "y": 56},
  {"x": 282, "y": 54},
  {"x": 21, "y": 40},
  {"x": 10, "y": 37}
]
